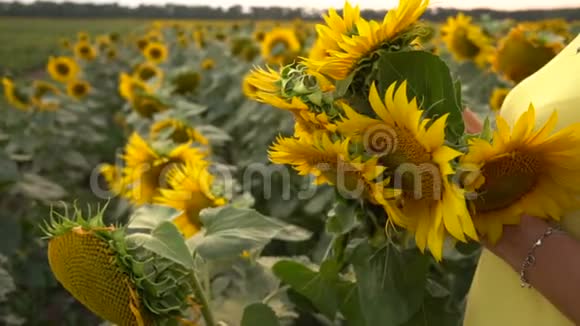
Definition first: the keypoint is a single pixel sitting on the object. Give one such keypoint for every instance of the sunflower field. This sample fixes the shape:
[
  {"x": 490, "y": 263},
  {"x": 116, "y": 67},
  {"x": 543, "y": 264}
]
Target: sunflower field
[{"x": 340, "y": 172}]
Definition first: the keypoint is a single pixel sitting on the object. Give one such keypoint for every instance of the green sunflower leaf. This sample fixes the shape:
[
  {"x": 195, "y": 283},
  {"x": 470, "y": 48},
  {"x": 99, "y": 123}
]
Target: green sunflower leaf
[
  {"x": 166, "y": 241},
  {"x": 259, "y": 314},
  {"x": 429, "y": 80},
  {"x": 231, "y": 230},
  {"x": 391, "y": 283}
]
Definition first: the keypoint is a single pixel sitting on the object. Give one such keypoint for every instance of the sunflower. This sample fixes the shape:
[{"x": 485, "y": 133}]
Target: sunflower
[
  {"x": 330, "y": 162},
  {"x": 248, "y": 88},
  {"x": 78, "y": 89},
  {"x": 149, "y": 74},
  {"x": 199, "y": 39},
  {"x": 14, "y": 96},
  {"x": 429, "y": 205},
  {"x": 115, "y": 276},
  {"x": 207, "y": 64},
  {"x": 111, "y": 53},
  {"x": 146, "y": 168},
  {"x": 154, "y": 35},
  {"x": 185, "y": 82},
  {"x": 156, "y": 52},
  {"x": 259, "y": 36},
  {"x": 330, "y": 36},
  {"x": 522, "y": 52},
  {"x": 62, "y": 69},
  {"x": 268, "y": 84},
  {"x": 84, "y": 50},
  {"x": 318, "y": 51},
  {"x": 103, "y": 42},
  {"x": 189, "y": 191},
  {"x": 130, "y": 87},
  {"x": 497, "y": 97},
  {"x": 178, "y": 131},
  {"x": 556, "y": 26},
  {"x": 465, "y": 40},
  {"x": 147, "y": 105},
  {"x": 280, "y": 46},
  {"x": 83, "y": 36},
  {"x": 183, "y": 41},
  {"x": 64, "y": 43},
  {"x": 142, "y": 43},
  {"x": 113, "y": 175},
  {"x": 523, "y": 171},
  {"x": 359, "y": 43},
  {"x": 45, "y": 95}
]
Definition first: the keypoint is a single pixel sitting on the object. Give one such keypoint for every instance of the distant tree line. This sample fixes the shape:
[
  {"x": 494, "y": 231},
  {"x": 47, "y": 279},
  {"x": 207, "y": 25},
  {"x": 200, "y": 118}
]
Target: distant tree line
[{"x": 170, "y": 11}]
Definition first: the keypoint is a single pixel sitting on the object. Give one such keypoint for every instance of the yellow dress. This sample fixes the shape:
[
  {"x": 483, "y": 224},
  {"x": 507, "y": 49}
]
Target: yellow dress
[{"x": 496, "y": 297}]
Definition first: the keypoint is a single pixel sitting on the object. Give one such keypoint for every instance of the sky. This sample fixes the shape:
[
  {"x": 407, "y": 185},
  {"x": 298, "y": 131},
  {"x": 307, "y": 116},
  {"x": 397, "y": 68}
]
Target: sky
[{"x": 370, "y": 4}]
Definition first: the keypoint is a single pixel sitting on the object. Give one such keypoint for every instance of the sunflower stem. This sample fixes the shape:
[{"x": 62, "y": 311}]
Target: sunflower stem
[{"x": 200, "y": 295}]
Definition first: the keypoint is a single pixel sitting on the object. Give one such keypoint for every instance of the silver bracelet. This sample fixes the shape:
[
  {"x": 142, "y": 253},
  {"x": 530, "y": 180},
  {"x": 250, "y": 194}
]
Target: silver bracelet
[{"x": 530, "y": 259}]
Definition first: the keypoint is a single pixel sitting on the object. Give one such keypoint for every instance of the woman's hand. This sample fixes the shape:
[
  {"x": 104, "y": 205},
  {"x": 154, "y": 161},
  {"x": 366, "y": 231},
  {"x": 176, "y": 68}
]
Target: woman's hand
[
  {"x": 556, "y": 272},
  {"x": 473, "y": 124}
]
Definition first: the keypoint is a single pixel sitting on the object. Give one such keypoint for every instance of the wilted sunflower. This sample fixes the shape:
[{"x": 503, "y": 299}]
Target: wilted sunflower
[
  {"x": 178, "y": 131},
  {"x": 84, "y": 50},
  {"x": 78, "y": 89},
  {"x": 359, "y": 43},
  {"x": 146, "y": 167},
  {"x": 429, "y": 205},
  {"x": 45, "y": 96},
  {"x": 524, "y": 170},
  {"x": 189, "y": 190},
  {"x": 62, "y": 69},
  {"x": 522, "y": 52},
  {"x": 497, "y": 97},
  {"x": 280, "y": 46},
  {"x": 208, "y": 64},
  {"x": 185, "y": 82},
  {"x": 112, "y": 274},
  {"x": 156, "y": 52},
  {"x": 14, "y": 95},
  {"x": 465, "y": 40}
]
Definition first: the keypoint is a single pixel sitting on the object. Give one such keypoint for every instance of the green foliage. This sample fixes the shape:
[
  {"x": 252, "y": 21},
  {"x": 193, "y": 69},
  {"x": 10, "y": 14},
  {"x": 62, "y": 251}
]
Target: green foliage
[
  {"x": 28, "y": 42},
  {"x": 390, "y": 283},
  {"x": 259, "y": 314},
  {"x": 230, "y": 231},
  {"x": 429, "y": 80}
]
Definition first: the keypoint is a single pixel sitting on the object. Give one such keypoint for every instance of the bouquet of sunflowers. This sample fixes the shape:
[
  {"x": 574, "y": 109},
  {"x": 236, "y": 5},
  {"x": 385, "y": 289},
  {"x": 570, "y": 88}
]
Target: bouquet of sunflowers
[{"x": 377, "y": 117}]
